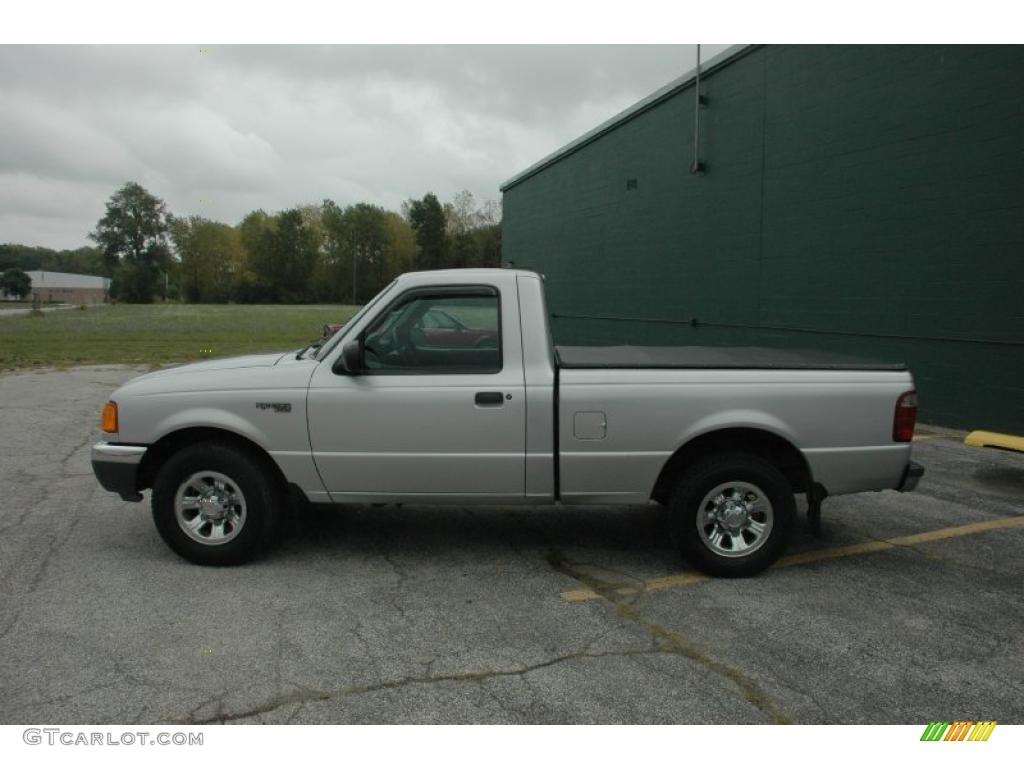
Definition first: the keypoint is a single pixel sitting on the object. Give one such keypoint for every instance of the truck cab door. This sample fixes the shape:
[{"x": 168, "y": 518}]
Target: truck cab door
[{"x": 428, "y": 416}]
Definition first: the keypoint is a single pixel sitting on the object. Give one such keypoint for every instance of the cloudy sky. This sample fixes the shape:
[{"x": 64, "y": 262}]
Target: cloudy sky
[{"x": 274, "y": 126}]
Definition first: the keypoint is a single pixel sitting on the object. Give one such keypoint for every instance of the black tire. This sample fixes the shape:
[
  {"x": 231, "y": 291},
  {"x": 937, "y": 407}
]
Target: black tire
[
  {"x": 746, "y": 472},
  {"x": 250, "y": 480}
]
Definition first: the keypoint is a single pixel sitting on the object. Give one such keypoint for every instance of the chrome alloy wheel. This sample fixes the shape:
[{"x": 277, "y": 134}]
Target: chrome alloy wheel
[
  {"x": 210, "y": 508},
  {"x": 735, "y": 519}
]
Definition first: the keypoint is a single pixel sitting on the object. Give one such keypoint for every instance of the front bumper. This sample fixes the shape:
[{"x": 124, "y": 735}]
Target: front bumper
[
  {"x": 116, "y": 466},
  {"x": 911, "y": 475}
]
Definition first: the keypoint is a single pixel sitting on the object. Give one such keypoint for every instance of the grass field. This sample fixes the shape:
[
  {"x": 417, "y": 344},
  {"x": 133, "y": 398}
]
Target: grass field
[{"x": 159, "y": 333}]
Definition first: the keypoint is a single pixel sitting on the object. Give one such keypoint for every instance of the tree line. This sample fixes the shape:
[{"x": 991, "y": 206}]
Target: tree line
[
  {"x": 81, "y": 261},
  {"x": 310, "y": 253}
]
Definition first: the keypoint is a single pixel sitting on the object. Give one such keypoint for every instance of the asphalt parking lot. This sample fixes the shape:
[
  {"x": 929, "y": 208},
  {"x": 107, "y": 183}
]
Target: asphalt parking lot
[{"x": 908, "y": 609}]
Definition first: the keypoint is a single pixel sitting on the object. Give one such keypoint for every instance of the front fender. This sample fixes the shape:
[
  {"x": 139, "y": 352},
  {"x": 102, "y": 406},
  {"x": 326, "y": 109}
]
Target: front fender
[{"x": 215, "y": 418}]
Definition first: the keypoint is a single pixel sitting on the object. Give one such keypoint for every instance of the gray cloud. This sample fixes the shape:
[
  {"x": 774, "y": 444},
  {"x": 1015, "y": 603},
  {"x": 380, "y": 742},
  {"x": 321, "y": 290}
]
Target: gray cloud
[{"x": 273, "y": 126}]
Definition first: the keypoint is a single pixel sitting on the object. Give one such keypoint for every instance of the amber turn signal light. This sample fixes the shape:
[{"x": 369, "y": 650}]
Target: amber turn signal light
[{"x": 109, "y": 420}]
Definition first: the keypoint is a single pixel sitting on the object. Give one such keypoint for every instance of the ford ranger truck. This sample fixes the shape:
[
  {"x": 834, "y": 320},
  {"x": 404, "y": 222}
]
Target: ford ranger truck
[{"x": 446, "y": 389}]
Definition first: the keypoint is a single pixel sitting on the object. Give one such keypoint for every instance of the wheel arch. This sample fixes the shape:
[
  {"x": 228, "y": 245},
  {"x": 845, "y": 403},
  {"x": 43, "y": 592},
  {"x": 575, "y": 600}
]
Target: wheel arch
[
  {"x": 757, "y": 441},
  {"x": 158, "y": 453}
]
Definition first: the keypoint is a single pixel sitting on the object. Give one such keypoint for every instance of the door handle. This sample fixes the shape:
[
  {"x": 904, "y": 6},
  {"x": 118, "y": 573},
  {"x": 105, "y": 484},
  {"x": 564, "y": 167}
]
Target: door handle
[{"x": 489, "y": 398}]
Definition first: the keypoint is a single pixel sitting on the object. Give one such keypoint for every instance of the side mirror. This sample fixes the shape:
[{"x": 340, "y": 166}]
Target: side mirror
[{"x": 351, "y": 360}]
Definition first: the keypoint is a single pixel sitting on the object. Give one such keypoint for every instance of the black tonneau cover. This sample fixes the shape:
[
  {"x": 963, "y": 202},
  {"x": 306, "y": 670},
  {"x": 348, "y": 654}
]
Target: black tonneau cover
[{"x": 715, "y": 357}]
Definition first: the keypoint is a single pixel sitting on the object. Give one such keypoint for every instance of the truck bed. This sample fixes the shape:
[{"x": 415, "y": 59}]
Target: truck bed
[{"x": 714, "y": 357}]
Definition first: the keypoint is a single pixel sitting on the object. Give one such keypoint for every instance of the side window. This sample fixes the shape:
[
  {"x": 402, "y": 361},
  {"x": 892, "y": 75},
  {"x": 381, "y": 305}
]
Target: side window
[{"x": 436, "y": 333}]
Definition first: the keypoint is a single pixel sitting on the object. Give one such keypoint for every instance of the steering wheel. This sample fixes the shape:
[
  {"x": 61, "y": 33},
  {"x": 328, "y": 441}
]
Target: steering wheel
[
  {"x": 367, "y": 349},
  {"x": 405, "y": 351},
  {"x": 382, "y": 347},
  {"x": 391, "y": 350}
]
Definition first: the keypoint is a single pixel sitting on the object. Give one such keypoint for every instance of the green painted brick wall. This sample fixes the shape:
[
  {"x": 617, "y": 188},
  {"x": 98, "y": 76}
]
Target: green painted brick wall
[{"x": 867, "y": 199}]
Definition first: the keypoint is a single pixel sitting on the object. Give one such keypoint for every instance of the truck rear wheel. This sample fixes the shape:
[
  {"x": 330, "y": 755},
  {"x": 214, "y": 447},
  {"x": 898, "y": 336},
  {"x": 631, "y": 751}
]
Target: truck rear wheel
[
  {"x": 732, "y": 514},
  {"x": 215, "y": 505}
]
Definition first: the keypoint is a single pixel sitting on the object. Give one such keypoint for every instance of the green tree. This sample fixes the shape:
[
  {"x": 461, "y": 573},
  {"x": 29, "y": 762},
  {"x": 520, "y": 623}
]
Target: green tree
[
  {"x": 401, "y": 247},
  {"x": 258, "y": 233},
  {"x": 428, "y": 221},
  {"x": 280, "y": 256},
  {"x": 133, "y": 238},
  {"x": 297, "y": 250},
  {"x": 210, "y": 256},
  {"x": 474, "y": 234},
  {"x": 334, "y": 275},
  {"x": 487, "y": 246},
  {"x": 364, "y": 248},
  {"x": 16, "y": 283},
  {"x": 81, "y": 261},
  {"x": 370, "y": 248}
]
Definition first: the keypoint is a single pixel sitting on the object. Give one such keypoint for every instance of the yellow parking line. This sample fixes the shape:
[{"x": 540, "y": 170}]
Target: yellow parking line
[
  {"x": 816, "y": 555},
  {"x": 959, "y": 530},
  {"x": 653, "y": 585},
  {"x": 849, "y": 550}
]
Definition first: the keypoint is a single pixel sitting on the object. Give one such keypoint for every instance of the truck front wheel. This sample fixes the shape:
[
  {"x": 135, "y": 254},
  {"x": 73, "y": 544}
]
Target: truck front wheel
[
  {"x": 732, "y": 514},
  {"x": 215, "y": 505}
]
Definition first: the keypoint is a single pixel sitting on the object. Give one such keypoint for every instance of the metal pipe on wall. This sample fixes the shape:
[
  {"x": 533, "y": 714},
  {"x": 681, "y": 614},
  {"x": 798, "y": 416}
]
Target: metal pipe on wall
[{"x": 698, "y": 166}]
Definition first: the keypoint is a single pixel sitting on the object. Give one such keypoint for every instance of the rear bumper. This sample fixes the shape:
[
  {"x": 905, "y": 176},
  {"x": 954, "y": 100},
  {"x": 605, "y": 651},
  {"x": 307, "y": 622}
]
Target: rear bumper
[
  {"x": 116, "y": 466},
  {"x": 911, "y": 475}
]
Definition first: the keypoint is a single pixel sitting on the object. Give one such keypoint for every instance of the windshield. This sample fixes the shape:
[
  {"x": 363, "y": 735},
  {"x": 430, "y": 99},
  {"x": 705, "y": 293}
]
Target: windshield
[{"x": 322, "y": 351}]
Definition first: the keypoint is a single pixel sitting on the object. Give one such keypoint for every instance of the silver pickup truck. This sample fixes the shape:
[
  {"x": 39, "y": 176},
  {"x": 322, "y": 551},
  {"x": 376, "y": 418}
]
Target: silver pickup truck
[{"x": 446, "y": 389}]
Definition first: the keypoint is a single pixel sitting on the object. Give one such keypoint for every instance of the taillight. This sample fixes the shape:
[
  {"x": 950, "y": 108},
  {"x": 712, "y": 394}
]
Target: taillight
[
  {"x": 905, "y": 417},
  {"x": 108, "y": 422}
]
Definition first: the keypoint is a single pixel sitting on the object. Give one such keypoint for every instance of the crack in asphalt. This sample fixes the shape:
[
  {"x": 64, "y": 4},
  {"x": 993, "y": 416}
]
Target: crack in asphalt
[
  {"x": 369, "y": 649},
  {"x": 663, "y": 639},
  {"x": 489, "y": 674},
  {"x": 190, "y": 717},
  {"x": 663, "y": 642},
  {"x": 506, "y": 707},
  {"x": 71, "y": 454},
  {"x": 56, "y": 542},
  {"x": 400, "y": 574},
  {"x": 668, "y": 641},
  {"x": 306, "y": 695},
  {"x": 401, "y": 577},
  {"x": 21, "y": 477},
  {"x": 297, "y": 696},
  {"x": 279, "y": 645},
  {"x": 44, "y": 481}
]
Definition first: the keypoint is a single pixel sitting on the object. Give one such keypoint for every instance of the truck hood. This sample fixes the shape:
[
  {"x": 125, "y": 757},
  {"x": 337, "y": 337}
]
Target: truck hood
[
  {"x": 219, "y": 364},
  {"x": 226, "y": 363},
  {"x": 279, "y": 369},
  {"x": 222, "y": 393}
]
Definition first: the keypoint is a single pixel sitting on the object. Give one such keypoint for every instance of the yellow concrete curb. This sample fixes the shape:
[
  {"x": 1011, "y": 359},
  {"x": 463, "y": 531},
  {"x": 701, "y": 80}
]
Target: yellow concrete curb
[{"x": 979, "y": 438}]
